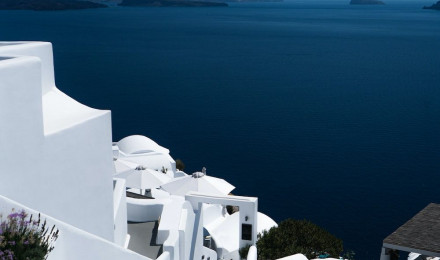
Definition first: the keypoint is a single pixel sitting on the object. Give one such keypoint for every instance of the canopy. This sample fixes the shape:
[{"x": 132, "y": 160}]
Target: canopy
[
  {"x": 124, "y": 168},
  {"x": 198, "y": 182},
  {"x": 146, "y": 179}
]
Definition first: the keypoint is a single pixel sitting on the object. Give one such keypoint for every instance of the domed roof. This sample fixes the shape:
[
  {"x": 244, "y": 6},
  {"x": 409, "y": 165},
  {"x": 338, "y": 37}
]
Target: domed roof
[{"x": 138, "y": 144}]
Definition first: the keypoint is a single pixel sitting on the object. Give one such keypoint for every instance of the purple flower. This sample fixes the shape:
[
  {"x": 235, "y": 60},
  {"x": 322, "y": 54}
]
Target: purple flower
[
  {"x": 22, "y": 214},
  {"x": 10, "y": 254},
  {"x": 13, "y": 215},
  {"x": 25, "y": 231}
]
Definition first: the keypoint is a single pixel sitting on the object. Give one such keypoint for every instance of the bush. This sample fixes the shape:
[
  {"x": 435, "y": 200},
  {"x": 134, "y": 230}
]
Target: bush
[
  {"x": 22, "y": 238},
  {"x": 297, "y": 236},
  {"x": 180, "y": 165},
  {"x": 243, "y": 252}
]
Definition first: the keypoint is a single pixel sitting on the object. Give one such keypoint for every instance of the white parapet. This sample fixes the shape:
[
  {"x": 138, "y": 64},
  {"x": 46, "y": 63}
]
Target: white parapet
[
  {"x": 74, "y": 243},
  {"x": 42, "y": 50}
]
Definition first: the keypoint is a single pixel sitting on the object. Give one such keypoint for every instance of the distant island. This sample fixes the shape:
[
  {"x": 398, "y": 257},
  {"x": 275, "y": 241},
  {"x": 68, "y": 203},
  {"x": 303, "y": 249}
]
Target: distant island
[
  {"x": 47, "y": 5},
  {"x": 167, "y": 3},
  {"x": 366, "y": 2},
  {"x": 435, "y": 6}
]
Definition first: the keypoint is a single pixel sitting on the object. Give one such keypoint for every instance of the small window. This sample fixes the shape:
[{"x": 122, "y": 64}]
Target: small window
[{"x": 246, "y": 232}]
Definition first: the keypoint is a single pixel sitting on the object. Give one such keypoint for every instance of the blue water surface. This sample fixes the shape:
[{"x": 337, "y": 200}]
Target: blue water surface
[{"x": 323, "y": 110}]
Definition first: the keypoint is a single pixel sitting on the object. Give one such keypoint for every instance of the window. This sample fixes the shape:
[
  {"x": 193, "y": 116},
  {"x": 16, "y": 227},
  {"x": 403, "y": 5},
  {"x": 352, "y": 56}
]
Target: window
[{"x": 246, "y": 232}]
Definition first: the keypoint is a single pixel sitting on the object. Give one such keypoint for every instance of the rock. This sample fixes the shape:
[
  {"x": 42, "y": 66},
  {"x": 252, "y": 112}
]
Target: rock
[{"x": 435, "y": 6}]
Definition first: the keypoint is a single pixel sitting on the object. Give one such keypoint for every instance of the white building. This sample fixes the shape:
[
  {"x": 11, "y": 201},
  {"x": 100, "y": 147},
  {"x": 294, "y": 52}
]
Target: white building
[{"x": 57, "y": 158}]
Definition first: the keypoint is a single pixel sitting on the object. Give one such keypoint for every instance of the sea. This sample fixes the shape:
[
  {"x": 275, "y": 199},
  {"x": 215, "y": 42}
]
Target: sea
[{"x": 323, "y": 110}]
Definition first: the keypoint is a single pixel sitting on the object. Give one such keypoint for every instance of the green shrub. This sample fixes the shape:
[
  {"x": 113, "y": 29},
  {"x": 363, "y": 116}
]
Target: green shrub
[
  {"x": 297, "y": 236},
  {"x": 243, "y": 252}
]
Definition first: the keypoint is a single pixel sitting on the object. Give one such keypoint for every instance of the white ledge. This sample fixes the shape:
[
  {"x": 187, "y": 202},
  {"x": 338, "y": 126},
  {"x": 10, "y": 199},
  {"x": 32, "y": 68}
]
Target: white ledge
[{"x": 61, "y": 112}]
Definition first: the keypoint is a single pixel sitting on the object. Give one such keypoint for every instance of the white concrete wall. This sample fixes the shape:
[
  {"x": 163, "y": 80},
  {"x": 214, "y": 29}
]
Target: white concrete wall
[
  {"x": 171, "y": 245},
  {"x": 21, "y": 117},
  {"x": 164, "y": 256},
  {"x": 186, "y": 228},
  {"x": 66, "y": 172},
  {"x": 140, "y": 210},
  {"x": 73, "y": 243},
  {"x": 176, "y": 229},
  {"x": 78, "y": 172},
  {"x": 120, "y": 212},
  {"x": 170, "y": 219}
]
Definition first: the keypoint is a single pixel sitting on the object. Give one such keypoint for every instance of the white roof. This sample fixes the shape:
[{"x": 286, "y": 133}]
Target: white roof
[{"x": 138, "y": 144}]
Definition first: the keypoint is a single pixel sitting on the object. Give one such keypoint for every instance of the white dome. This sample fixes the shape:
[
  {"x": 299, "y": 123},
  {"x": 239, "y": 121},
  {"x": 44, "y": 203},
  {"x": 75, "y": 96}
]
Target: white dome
[
  {"x": 294, "y": 257},
  {"x": 138, "y": 144},
  {"x": 265, "y": 223}
]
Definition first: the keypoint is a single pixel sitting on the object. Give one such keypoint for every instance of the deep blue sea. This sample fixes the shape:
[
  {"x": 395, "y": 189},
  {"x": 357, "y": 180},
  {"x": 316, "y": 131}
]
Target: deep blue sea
[{"x": 323, "y": 110}]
